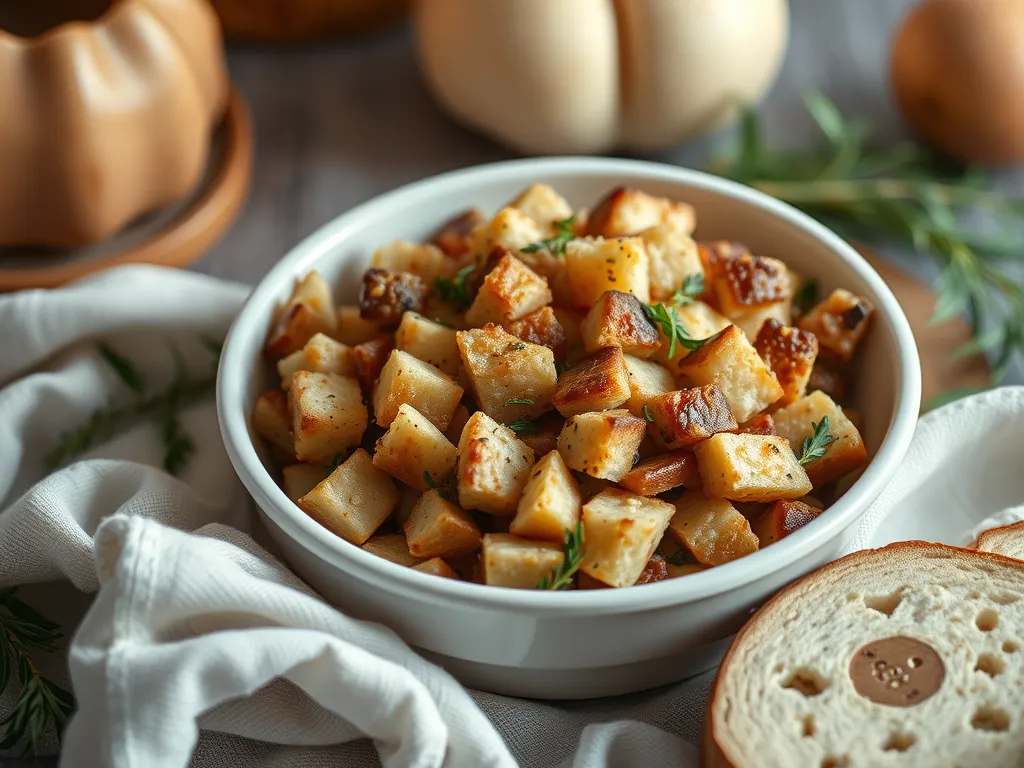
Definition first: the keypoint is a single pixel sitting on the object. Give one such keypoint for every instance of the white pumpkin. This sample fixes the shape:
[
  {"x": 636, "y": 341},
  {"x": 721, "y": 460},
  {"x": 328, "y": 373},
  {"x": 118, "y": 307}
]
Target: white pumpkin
[{"x": 586, "y": 76}]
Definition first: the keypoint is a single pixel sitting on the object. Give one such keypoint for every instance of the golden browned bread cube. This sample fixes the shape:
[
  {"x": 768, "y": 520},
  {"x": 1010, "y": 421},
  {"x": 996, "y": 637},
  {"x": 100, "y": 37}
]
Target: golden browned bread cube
[
  {"x": 602, "y": 445},
  {"x": 328, "y": 415},
  {"x": 413, "y": 449},
  {"x": 428, "y": 341},
  {"x": 493, "y": 466},
  {"x": 712, "y": 530},
  {"x": 620, "y": 533},
  {"x": 647, "y": 380},
  {"x": 655, "y": 570},
  {"x": 321, "y": 354},
  {"x": 751, "y": 321},
  {"x": 540, "y": 327},
  {"x": 550, "y": 503},
  {"x": 746, "y": 282},
  {"x": 369, "y": 359},
  {"x": 385, "y": 296},
  {"x": 299, "y": 479},
  {"x": 730, "y": 362},
  {"x": 354, "y": 500},
  {"x": 617, "y": 319},
  {"x": 544, "y": 437},
  {"x": 453, "y": 237},
  {"x": 510, "y": 379},
  {"x": 424, "y": 260},
  {"x": 750, "y": 468},
  {"x": 687, "y": 416},
  {"x": 510, "y": 228},
  {"x": 790, "y": 353},
  {"x": 438, "y": 528},
  {"x": 781, "y": 519},
  {"x": 571, "y": 322},
  {"x": 392, "y": 547},
  {"x": 715, "y": 254},
  {"x": 662, "y": 473},
  {"x": 405, "y": 379},
  {"x": 596, "y": 266},
  {"x": 509, "y": 291},
  {"x": 272, "y": 422},
  {"x": 597, "y": 382},
  {"x": 699, "y": 321},
  {"x": 625, "y": 211},
  {"x": 542, "y": 204},
  {"x": 827, "y": 377},
  {"x": 673, "y": 257},
  {"x": 435, "y": 566},
  {"x": 839, "y": 322},
  {"x": 353, "y": 329},
  {"x": 844, "y": 455},
  {"x": 512, "y": 561},
  {"x": 762, "y": 424},
  {"x": 309, "y": 311}
]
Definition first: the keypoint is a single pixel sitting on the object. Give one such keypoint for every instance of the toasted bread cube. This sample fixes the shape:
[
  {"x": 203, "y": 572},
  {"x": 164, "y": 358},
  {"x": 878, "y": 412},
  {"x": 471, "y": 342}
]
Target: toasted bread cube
[
  {"x": 700, "y": 322},
  {"x": 752, "y": 321},
  {"x": 655, "y": 570},
  {"x": 501, "y": 368},
  {"x": 543, "y": 439},
  {"x": 790, "y": 353},
  {"x": 454, "y": 431},
  {"x": 672, "y": 256},
  {"x": 352, "y": 329},
  {"x": 620, "y": 532},
  {"x": 511, "y": 561},
  {"x": 271, "y": 421},
  {"x": 598, "y": 382},
  {"x": 762, "y": 424},
  {"x": 493, "y": 466},
  {"x": 540, "y": 327},
  {"x": 428, "y": 341},
  {"x": 544, "y": 205},
  {"x": 617, "y": 319},
  {"x": 406, "y": 379},
  {"x": 687, "y": 416},
  {"x": 626, "y": 211},
  {"x": 730, "y": 362},
  {"x": 510, "y": 228},
  {"x": 856, "y": 418},
  {"x": 424, "y": 260},
  {"x": 750, "y": 468},
  {"x": 385, "y": 296},
  {"x": 828, "y": 378},
  {"x": 747, "y": 282},
  {"x": 781, "y": 519},
  {"x": 393, "y": 547},
  {"x": 435, "y": 566},
  {"x": 662, "y": 473},
  {"x": 412, "y": 449},
  {"x": 571, "y": 322},
  {"x": 509, "y": 291},
  {"x": 596, "y": 266},
  {"x": 550, "y": 503},
  {"x": 309, "y": 311},
  {"x": 844, "y": 455},
  {"x": 647, "y": 380},
  {"x": 453, "y": 237},
  {"x": 714, "y": 255},
  {"x": 328, "y": 415},
  {"x": 354, "y": 500},
  {"x": 321, "y": 354},
  {"x": 369, "y": 359},
  {"x": 299, "y": 479},
  {"x": 712, "y": 530},
  {"x": 438, "y": 528},
  {"x": 602, "y": 445},
  {"x": 839, "y": 323}
]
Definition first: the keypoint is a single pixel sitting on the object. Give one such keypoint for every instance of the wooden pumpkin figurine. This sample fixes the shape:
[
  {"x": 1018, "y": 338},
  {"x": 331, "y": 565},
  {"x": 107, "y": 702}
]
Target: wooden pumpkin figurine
[{"x": 587, "y": 76}]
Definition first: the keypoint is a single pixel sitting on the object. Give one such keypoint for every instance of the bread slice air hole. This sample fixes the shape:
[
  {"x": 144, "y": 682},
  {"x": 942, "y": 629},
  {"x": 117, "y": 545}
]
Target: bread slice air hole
[
  {"x": 992, "y": 719},
  {"x": 1010, "y": 647},
  {"x": 807, "y": 726},
  {"x": 1005, "y": 598},
  {"x": 806, "y": 682},
  {"x": 990, "y": 664},
  {"x": 886, "y": 604},
  {"x": 987, "y": 620},
  {"x": 852, "y": 597},
  {"x": 831, "y": 761},
  {"x": 899, "y": 742},
  {"x": 974, "y": 595}
]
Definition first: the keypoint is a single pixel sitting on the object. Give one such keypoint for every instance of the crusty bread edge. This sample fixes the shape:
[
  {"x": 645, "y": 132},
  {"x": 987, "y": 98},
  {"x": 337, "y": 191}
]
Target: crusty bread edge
[
  {"x": 1000, "y": 532},
  {"x": 712, "y": 753}
]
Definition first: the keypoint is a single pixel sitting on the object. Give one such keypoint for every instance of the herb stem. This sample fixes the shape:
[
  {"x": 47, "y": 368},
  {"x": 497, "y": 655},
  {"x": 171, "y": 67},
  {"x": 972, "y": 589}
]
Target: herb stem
[{"x": 843, "y": 191}]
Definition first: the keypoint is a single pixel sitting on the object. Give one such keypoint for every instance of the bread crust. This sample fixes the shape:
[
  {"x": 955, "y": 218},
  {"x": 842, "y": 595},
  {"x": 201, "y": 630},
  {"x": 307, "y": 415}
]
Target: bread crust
[{"x": 1007, "y": 540}]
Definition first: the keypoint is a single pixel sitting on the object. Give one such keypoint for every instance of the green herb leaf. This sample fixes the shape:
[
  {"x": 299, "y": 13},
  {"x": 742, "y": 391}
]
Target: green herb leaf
[
  {"x": 573, "y": 551},
  {"x": 454, "y": 289},
  {"x": 692, "y": 287},
  {"x": 806, "y": 297},
  {"x": 648, "y": 415},
  {"x": 517, "y": 401},
  {"x": 123, "y": 367},
  {"x": 814, "y": 447},
  {"x": 524, "y": 427},
  {"x": 679, "y": 557},
  {"x": 429, "y": 480},
  {"x": 339, "y": 459},
  {"x": 563, "y": 234}
]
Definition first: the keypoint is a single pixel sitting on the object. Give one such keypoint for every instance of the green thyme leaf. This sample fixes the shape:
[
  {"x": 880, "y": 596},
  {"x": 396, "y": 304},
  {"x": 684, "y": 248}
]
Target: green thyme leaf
[
  {"x": 679, "y": 557},
  {"x": 806, "y": 297},
  {"x": 123, "y": 367},
  {"x": 814, "y": 447},
  {"x": 517, "y": 401},
  {"x": 573, "y": 551},
  {"x": 524, "y": 427},
  {"x": 454, "y": 289},
  {"x": 563, "y": 234},
  {"x": 429, "y": 480},
  {"x": 648, "y": 415},
  {"x": 692, "y": 287}
]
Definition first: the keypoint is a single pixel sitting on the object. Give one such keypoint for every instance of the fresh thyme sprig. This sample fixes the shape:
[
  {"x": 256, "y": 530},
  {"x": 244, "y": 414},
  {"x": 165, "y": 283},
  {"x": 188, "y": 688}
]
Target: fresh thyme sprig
[
  {"x": 648, "y": 415},
  {"x": 573, "y": 551},
  {"x": 814, "y": 447},
  {"x": 909, "y": 193},
  {"x": 668, "y": 320},
  {"x": 517, "y": 401},
  {"x": 679, "y": 557},
  {"x": 42, "y": 702},
  {"x": 692, "y": 287},
  {"x": 556, "y": 245},
  {"x": 454, "y": 289},
  {"x": 525, "y": 427}
]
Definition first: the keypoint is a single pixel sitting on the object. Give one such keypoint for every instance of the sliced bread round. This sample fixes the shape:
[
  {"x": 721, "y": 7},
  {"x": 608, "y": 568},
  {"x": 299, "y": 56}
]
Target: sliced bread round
[
  {"x": 911, "y": 655},
  {"x": 1007, "y": 540}
]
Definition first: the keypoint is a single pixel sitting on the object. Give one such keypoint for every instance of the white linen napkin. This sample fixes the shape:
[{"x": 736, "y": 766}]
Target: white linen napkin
[{"x": 200, "y": 647}]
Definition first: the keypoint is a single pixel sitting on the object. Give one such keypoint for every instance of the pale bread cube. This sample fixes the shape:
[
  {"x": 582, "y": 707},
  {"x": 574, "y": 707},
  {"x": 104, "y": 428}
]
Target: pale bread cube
[
  {"x": 406, "y": 379},
  {"x": 321, "y": 354},
  {"x": 428, "y": 341},
  {"x": 510, "y": 228},
  {"x": 493, "y": 466},
  {"x": 620, "y": 532},
  {"x": 413, "y": 449},
  {"x": 647, "y": 380},
  {"x": 501, "y": 368},
  {"x": 712, "y": 530},
  {"x": 435, "y": 566},
  {"x": 839, "y": 323},
  {"x": 352, "y": 329},
  {"x": 544, "y": 205},
  {"x": 673, "y": 257},
  {"x": 392, "y": 547},
  {"x": 424, "y": 260},
  {"x": 309, "y": 311},
  {"x": 512, "y": 561},
  {"x": 790, "y": 353},
  {"x": 752, "y": 321},
  {"x": 272, "y": 422},
  {"x": 438, "y": 528},
  {"x": 700, "y": 322},
  {"x": 596, "y": 266},
  {"x": 625, "y": 211},
  {"x": 686, "y": 416},
  {"x": 845, "y": 454},
  {"x": 602, "y": 445},
  {"x": 730, "y": 362},
  {"x": 617, "y": 319},
  {"x": 328, "y": 415},
  {"x": 509, "y": 291},
  {"x": 299, "y": 479},
  {"x": 354, "y": 500},
  {"x": 550, "y": 503},
  {"x": 750, "y": 468},
  {"x": 597, "y": 382}
]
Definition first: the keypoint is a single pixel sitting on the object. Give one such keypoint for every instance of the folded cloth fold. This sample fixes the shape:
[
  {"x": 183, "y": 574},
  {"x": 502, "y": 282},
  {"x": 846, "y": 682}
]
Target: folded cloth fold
[{"x": 200, "y": 647}]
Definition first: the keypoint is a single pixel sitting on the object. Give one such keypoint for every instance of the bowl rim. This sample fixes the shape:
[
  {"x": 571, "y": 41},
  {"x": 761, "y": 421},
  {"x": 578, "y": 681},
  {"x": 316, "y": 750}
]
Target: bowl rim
[{"x": 310, "y": 535}]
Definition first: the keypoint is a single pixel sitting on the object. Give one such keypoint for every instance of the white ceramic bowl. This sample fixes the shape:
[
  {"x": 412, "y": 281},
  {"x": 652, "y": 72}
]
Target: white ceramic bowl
[{"x": 584, "y": 643}]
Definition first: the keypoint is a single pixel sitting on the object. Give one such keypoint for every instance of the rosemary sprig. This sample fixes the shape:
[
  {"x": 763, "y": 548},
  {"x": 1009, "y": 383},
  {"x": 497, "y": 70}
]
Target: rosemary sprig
[
  {"x": 556, "y": 245},
  {"x": 42, "y": 702},
  {"x": 517, "y": 401},
  {"x": 123, "y": 367},
  {"x": 525, "y": 427},
  {"x": 572, "y": 548},
  {"x": 454, "y": 289},
  {"x": 692, "y": 287},
  {"x": 814, "y": 447}
]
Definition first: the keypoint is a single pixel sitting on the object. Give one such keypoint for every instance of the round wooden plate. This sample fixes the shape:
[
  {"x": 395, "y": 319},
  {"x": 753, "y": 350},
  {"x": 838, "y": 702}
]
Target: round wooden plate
[{"x": 175, "y": 236}]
